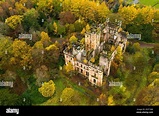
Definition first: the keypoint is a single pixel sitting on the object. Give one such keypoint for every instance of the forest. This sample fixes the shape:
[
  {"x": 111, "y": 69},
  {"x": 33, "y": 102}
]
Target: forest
[{"x": 36, "y": 66}]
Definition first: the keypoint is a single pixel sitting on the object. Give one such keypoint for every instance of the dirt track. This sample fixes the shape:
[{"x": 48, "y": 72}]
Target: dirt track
[{"x": 143, "y": 44}]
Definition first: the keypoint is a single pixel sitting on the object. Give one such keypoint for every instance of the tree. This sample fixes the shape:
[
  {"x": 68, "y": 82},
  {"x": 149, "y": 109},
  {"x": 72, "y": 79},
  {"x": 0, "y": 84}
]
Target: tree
[
  {"x": 47, "y": 89},
  {"x": 45, "y": 8},
  {"x": 89, "y": 11},
  {"x": 45, "y": 39},
  {"x": 148, "y": 96},
  {"x": 110, "y": 101},
  {"x": 67, "y": 17},
  {"x": 52, "y": 54},
  {"x": 7, "y": 98},
  {"x": 5, "y": 52},
  {"x": 14, "y": 21},
  {"x": 136, "y": 46},
  {"x": 73, "y": 39},
  {"x": 118, "y": 57},
  {"x": 156, "y": 68},
  {"x": 68, "y": 67},
  {"x": 20, "y": 8},
  {"x": 152, "y": 76},
  {"x": 128, "y": 13},
  {"x": 30, "y": 19},
  {"x": 21, "y": 54},
  {"x": 103, "y": 99}
]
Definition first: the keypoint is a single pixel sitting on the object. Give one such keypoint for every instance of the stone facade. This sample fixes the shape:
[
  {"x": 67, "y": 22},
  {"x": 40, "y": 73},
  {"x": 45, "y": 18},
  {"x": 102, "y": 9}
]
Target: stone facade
[{"x": 97, "y": 46}]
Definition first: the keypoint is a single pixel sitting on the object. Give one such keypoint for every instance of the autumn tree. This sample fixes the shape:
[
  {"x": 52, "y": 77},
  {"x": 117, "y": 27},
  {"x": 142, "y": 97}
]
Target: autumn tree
[
  {"x": 68, "y": 67},
  {"x": 20, "y": 7},
  {"x": 119, "y": 57},
  {"x": 103, "y": 99},
  {"x": 52, "y": 54},
  {"x": 45, "y": 39},
  {"x": 47, "y": 89},
  {"x": 45, "y": 8},
  {"x": 7, "y": 9},
  {"x": 38, "y": 52},
  {"x": 148, "y": 96},
  {"x": 73, "y": 39},
  {"x": 110, "y": 101},
  {"x": 14, "y": 21},
  {"x": 67, "y": 17},
  {"x": 5, "y": 52},
  {"x": 128, "y": 13},
  {"x": 89, "y": 11},
  {"x": 21, "y": 54},
  {"x": 14, "y": 24},
  {"x": 152, "y": 76}
]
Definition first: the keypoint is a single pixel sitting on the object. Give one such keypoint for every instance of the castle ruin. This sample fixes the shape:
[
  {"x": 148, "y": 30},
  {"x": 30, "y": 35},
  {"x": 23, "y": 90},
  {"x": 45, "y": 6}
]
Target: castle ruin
[{"x": 93, "y": 59}]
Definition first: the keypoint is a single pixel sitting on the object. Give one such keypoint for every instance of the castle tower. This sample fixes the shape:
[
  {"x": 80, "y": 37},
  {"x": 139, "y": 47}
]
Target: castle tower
[{"x": 92, "y": 40}]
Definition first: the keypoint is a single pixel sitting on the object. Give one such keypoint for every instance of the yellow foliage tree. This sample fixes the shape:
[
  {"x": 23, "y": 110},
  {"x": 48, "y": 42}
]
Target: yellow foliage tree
[
  {"x": 110, "y": 101},
  {"x": 86, "y": 9},
  {"x": 55, "y": 27},
  {"x": 147, "y": 14},
  {"x": 92, "y": 59},
  {"x": 69, "y": 67},
  {"x": 45, "y": 39},
  {"x": 14, "y": 21},
  {"x": 73, "y": 39},
  {"x": 22, "y": 53},
  {"x": 83, "y": 31},
  {"x": 88, "y": 28},
  {"x": 52, "y": 47},
  {"x": 38, "y": 45},
  {"x": 128, "y": 13},
  {"x": 47, "y": 89},
  {"x": 20, "y": 8},
  {"x": 45, "y": 6},
  {"x": 119, "y": 56}
]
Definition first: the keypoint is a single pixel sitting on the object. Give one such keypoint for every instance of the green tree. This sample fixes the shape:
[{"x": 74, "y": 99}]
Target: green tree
[
  {"x": 7, "y": 98},
  {"x": 30, "y": 20},
  {"x": 47, "y": 89},
  {"x": 156, "y": 68}
]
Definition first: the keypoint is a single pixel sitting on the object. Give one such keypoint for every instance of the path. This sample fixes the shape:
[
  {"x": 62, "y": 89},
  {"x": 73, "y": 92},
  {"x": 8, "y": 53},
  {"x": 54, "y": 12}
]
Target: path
[{"x": 143, "y": 44}]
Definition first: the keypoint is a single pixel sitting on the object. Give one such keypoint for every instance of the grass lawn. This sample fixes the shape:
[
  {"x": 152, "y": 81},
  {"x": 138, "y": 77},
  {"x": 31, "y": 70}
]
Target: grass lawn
[
  {"x": 149, "y": 2},
  {"x": 62, "y": 82}
]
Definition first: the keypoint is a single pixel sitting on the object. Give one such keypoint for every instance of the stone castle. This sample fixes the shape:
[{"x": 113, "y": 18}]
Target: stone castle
[{"x": 93, "y": 59}]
